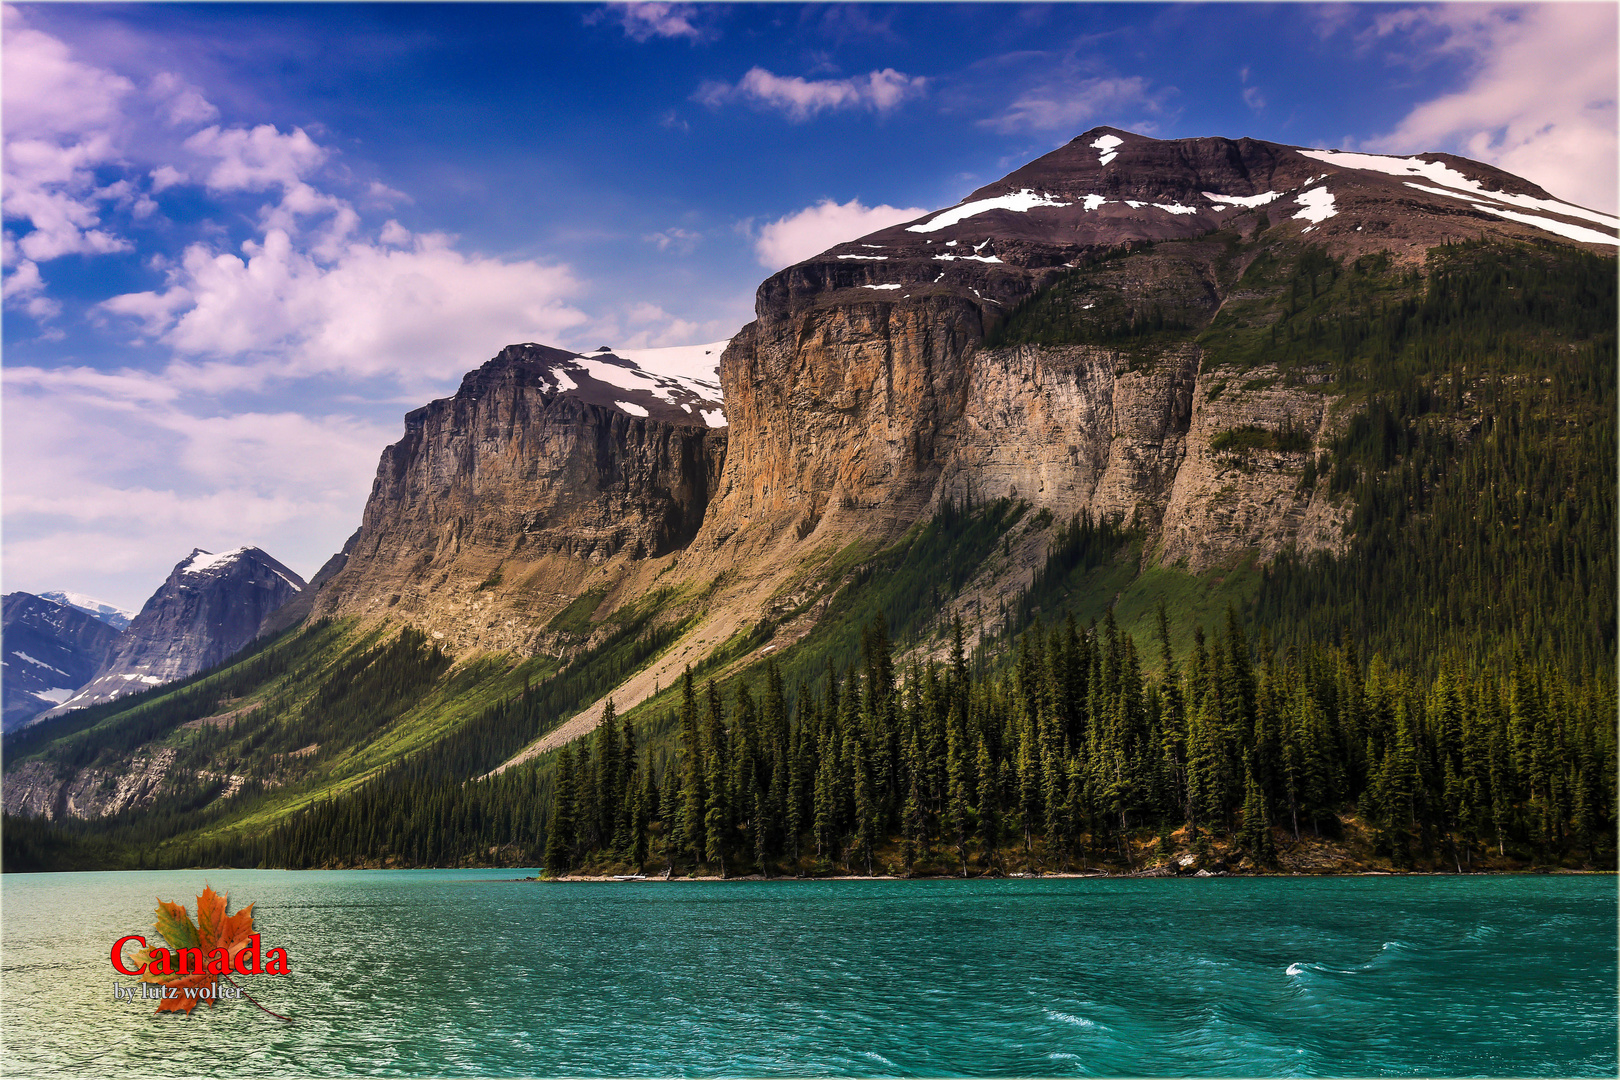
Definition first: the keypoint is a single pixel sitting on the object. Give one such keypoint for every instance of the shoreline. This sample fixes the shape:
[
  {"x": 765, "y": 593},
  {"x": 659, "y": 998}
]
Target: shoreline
[{"x": 622, "y": 879}]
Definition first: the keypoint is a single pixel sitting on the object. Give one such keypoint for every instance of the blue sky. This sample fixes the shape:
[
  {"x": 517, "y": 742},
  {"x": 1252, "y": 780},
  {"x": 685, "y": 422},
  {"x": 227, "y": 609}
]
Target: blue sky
[{"x": 242, "y": 240}]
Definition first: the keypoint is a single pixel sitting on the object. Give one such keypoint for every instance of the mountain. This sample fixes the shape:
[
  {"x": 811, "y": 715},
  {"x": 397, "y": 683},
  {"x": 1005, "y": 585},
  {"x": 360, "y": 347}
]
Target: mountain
[
  {"x": 208, "y": 608},
  {"x": 115, "y": 617},
  {"x": 505, "y": 502},
  {"x": 51, "y": 649},
  {"x": 879, "y": 383},
  {"x": 1321, "y": 426}
]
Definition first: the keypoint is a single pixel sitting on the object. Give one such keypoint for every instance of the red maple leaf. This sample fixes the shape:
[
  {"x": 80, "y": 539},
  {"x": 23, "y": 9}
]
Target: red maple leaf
[{"x": 213, "y": 930}]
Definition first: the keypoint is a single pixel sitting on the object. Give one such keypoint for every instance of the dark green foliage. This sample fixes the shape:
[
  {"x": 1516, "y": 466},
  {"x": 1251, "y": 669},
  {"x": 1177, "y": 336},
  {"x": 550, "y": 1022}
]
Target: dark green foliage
[
  {"x": 1479, "y": 468},
  {"x": 1287, "y": 439},
  {"x": 1148, "y": 296}
]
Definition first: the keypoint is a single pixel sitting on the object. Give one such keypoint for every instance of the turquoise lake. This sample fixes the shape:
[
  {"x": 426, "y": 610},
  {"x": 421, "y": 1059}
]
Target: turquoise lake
[{"x": 446, "y": 973}]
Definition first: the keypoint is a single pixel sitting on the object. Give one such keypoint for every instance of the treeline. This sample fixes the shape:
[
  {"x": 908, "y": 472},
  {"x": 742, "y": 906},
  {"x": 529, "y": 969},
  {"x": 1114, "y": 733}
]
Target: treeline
[
  {"x": 1068, "y": 755},
  {"x": 1071, "y": 752}
]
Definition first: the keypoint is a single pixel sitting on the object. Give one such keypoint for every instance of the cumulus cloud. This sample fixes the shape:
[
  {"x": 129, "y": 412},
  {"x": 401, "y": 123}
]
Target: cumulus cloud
[
  {"x": 643, "y": 22},
  {"x": 62, "y": 119},
  {"x": 255, "y": 160},
  {"x": 878, "y": 91},
  {"x": 374, "y": 308},
  {"x": 1066, "y": 101},
  {"x": 180, "y": 103},
  {"x": 25, "y": 289},
  {"x": 230, "y": 436},
  {"x": 1538, "y": 99},
  {"x": 814, "y": 229}
]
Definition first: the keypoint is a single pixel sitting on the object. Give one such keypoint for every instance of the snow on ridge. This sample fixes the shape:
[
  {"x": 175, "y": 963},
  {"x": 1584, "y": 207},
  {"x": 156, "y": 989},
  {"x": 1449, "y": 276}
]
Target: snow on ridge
[
  {"x": 1439, "y": 172},
  {"x": 666, "y": 374},
  {"x": 695, "y": 363},
  {"x": 1244, "y": 200},
  {"x": 1176, "y": 208},
  {"x": 953, "y": 258},
  {"x": 1318, "y": 204},
  {"x": 875, "y": 258},
  {"x": 1092, "y": 202},
  {"x": 38, "y": 663},
  {"x": 880, "y": 286},
  {"x": 1018, "y": 201},
  {"x": 1561, "y": 228},
  {"x": 88, "y": 604},
  {"x": 55, "y": 695},
  {"x": 201, "y": 560},
  {"x": 1552, "y": 225},
  {"x": 295, "y": 586},
  {"x": 631, "y": 408},
  {"x": 1107, "y": 144}
]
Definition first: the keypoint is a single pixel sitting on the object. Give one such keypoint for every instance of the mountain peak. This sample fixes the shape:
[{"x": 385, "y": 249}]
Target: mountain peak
[
  {"x": 677, "y": 385},
  {"x": 113, "y": 616}
]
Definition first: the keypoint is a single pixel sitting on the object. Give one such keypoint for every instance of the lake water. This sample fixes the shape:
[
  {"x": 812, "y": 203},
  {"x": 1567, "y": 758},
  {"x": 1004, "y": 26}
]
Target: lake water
[{"x": 445, "y": 973}]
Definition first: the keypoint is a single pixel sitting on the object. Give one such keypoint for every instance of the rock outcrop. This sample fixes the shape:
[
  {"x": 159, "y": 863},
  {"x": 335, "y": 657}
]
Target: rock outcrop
[{"x": 539, "y": 479}]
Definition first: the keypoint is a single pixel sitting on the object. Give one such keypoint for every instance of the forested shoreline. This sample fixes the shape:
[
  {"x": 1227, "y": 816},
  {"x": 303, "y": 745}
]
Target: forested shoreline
[{"x": 1067, "y": 756}]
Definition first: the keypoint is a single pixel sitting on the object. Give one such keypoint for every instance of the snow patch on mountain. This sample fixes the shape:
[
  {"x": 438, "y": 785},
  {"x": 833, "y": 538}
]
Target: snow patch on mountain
[
  {"x": 202, "y": 561},
  {"x": 1439, "y": 172},
  {"x": 113, "y": 616},
  {"x": 1552, "y": 225},
  {"x": 1318, "y": 204},
  {"x": 1019, "y": 201},
  {"x": 1243, "y": 200},
  {"x": 1107, "y": 144}
]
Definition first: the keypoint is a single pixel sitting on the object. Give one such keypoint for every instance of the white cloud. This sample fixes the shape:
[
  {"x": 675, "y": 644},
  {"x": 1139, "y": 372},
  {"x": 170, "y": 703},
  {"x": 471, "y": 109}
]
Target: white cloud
[
  {"x": 180, "y": 103},
  {"x": 255, "y": 160},
  {"x": 417, "y": 313},
  {"x": 800, "y": 99},
  {"x": 24, "y": 288},
  {"x": 1539, "y": 96},
  {"x": 165, "y": 177},
  {"x": 111, "y": 477},
  {"x": 61, "y": 122},
  {"x": 814, "y": 229},
  {"x": 643, "y": 22},
  {"x": 1064, "y": 101},
  {"x": 682, "y": 240}
]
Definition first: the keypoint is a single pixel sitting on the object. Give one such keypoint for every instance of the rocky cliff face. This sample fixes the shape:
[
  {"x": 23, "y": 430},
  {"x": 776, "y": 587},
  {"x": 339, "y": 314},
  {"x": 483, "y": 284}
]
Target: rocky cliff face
[
  {"x": 35, "y": 789},
  {"x": 210, "y": 607},
  {"x": 859, "y": 397},
  {"x": 870, "y": 388},
  {"x": 51, "y": 650},
  {"x": 546, "y": 474}
]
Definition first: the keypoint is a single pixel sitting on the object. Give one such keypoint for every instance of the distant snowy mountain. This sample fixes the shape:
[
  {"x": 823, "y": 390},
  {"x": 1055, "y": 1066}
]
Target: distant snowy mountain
[
  {"x": 116, "y": 617},
  {"x": 50, "y": 650},
  {"x": 211, "y": 606}
]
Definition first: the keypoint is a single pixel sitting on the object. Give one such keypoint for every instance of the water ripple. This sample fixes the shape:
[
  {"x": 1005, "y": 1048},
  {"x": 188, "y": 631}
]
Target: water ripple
[{"x": 419, "y": 973}]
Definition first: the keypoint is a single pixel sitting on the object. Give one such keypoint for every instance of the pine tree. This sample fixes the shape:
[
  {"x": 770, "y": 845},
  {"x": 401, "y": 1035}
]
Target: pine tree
[{"x": 560, "y": 836}]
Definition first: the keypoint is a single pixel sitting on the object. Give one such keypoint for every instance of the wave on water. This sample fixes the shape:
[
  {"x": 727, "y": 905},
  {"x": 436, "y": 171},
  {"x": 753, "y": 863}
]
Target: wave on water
[
  {"x": 1385, "y": 951},
  {"x": 1067, "y": 1018},
  {"x": 879, "y": 1058}
]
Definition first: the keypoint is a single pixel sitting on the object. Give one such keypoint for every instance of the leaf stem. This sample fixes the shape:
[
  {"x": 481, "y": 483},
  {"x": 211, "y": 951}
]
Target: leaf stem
[{"x": 255, "y": 1000}]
